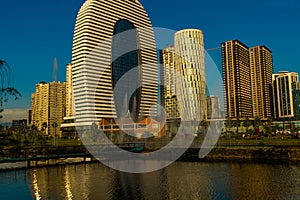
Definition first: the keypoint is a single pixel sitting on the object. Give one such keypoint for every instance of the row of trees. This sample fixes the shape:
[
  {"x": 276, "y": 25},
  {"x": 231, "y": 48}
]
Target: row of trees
[{"x": 253, "y": 127}]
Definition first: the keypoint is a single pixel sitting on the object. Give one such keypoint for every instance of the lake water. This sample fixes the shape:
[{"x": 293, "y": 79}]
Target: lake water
[{"x": 181, "y": 180}]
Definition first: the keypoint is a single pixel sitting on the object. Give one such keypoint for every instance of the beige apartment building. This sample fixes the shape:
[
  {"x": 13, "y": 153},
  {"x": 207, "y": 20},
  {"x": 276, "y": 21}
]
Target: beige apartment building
[{"x": 48, "y": 107}]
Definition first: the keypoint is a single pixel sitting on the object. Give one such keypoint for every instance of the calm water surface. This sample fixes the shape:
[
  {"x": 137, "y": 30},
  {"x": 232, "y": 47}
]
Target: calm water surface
[{"x": 181, "y": 180}]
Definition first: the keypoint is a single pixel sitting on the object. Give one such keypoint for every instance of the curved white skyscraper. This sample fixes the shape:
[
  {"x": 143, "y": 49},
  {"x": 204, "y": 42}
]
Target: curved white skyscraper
[
  {"x": 190, "y": 80},
  {"x": 111, "y": 38}
]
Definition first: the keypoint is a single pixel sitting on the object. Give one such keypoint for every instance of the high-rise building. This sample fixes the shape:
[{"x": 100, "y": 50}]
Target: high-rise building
[
  {"x": 111, "y": 38},
  {"x": 283, "y": 94},
  {"x": 48, "y": 107},
  {"x": 237, "y": 79},
  {"x": 70, "y": 110},
  {"x": 261, "y": 68},
  {"x": 213, "y": 107},
  {"x": 167, "y": 57},
  {"x": 190, "y": 76}
]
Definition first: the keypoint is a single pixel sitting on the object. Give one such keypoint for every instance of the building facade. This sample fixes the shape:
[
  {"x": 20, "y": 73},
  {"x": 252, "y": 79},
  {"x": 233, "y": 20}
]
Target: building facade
[
  {"x": 213, "y": 107},
  {"x": 283, "y": 94},
  {"x": 237, "y": 80},
  {"x": 48, "y": 107},
  {"x": 167, "y": 57},
  {"x": 190, "y": 74},
  {"x": 70, "y": 109},
  {"x": 111, "y": 38},
  {"x": 261, "y": 68}
]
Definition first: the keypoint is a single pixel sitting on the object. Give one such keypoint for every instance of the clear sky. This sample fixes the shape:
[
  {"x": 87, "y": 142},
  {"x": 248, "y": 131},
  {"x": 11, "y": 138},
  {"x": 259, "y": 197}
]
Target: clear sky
[{"x": 33, "y": 32}]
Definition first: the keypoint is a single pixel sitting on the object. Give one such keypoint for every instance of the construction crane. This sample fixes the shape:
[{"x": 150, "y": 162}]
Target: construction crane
[{"x": 214, "y": 49}]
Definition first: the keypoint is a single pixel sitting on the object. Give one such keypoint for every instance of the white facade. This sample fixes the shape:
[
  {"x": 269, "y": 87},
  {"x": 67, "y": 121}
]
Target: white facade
[
  {"x": 92, "y": 58},
  {"x": 283, "y": 86},
  {"x": 190, "y": 76}
]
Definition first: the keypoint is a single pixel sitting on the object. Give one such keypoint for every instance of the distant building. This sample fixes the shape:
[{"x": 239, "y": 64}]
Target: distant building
[
  {"x": 237, "y": 79},
  {"x": 19, "y": 124},
  {"x": 190, "y": 78},
  {"x": 283, "y": 94},
  {"x": 48, "y": 107},
  {"x": 213, "y": 107},
  {"x": 70, "y": 109},
  {"x": 296, "y": 100},
  {"x": 261, "y": 68},
  {"x": 29, "y": 117}
]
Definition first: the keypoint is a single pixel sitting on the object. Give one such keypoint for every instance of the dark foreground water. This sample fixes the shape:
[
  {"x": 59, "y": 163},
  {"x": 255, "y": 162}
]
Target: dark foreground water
[{"x": 181, "y": 180}]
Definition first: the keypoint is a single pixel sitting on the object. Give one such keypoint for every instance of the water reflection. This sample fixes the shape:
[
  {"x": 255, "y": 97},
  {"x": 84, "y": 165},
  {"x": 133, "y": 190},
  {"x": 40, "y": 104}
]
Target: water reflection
[{"x": 181, "y": 180}]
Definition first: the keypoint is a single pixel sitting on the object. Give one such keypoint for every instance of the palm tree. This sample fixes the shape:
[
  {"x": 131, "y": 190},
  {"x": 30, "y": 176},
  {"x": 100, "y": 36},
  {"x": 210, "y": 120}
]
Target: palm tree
[
  {"x": 247, "y": 123},
  {"x": 204, "y": 124},
  {"x": 237, "y": 124},
  {"x": 229, "y": 124}
]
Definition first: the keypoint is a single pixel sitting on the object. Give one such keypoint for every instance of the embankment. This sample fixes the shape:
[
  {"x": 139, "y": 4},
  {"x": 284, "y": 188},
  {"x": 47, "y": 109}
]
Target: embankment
[{"x": 257, "y": 154}]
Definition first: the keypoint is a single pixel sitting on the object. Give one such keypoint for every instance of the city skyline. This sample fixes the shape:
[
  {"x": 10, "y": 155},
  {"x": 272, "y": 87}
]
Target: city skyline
[{"x": 31, "y": 56}]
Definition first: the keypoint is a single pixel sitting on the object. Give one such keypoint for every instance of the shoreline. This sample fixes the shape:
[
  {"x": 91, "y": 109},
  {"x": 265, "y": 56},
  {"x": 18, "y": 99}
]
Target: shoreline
[
  {"x": 236, "y": 154},
  {"x": 268, "y": 154}
]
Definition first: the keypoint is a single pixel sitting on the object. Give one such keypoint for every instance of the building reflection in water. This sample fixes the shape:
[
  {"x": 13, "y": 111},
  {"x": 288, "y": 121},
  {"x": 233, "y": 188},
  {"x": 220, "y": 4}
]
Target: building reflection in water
[
  {"x": 68, "y": 184},
  {"x": 35, "y": 186},
  {"x": 180, "y": 180}
]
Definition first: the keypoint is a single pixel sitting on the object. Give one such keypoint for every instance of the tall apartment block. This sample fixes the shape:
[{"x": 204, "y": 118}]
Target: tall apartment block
[
  {"x": 237, "y": 79},
  {"x": 48, "y": 107},
  {"x": 167, "y": 57},
  {"x": 111, "y": 38},
  {"x": 283, "y": 94},
  {"x": 261, "y": 68},
  {"x": 190, "y": 78}
]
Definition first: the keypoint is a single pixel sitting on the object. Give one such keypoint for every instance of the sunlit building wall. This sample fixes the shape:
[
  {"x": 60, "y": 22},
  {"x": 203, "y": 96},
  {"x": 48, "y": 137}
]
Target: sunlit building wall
[
  {"x": 190, "y": 77},
  {"x": 167, "y": 56},
  {"x": 95, "y": 68},
  {"x": 70, "y": 110},
  {"x": 261, "y": 67},
  {"x": 237, "y": 79},
  {"x": 48, "y": 107},
  {"x": 283, "y": 94},
  {"x": 40, "y": 105}
]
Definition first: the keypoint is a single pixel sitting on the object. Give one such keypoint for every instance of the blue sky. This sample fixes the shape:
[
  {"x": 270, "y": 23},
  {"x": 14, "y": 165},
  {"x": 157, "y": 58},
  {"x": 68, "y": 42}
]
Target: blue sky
[{"x": 33, "y": 32}]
